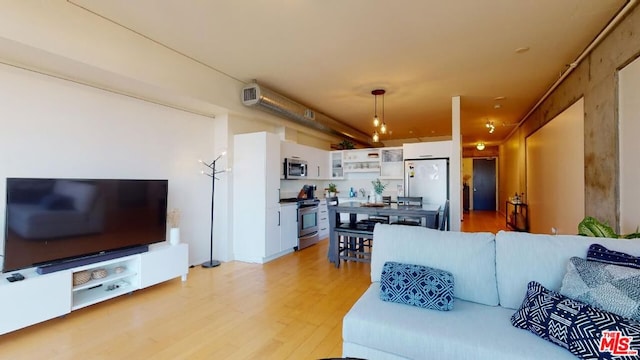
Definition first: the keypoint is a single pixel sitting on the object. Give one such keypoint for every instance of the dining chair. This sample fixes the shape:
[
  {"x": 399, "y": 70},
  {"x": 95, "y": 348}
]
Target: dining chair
[
  {"x": 354, "y": 242},
  {"x": 383, "y": 219},
  {"x": 407, "y": 220},
  {"x": 444, "y": 221}
]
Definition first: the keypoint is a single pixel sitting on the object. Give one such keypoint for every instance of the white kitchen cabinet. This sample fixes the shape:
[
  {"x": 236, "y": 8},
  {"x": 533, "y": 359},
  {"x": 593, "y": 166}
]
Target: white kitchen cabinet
[
  {"x": 323, "y": 219},
  {"x": 426, "y": 150},
  {"x": 318, "y": 164},
  {"x": 391, "y": 163},
  {"x": 335, "y": 161},
  {"x": 361, "y": 160},
  {"x": 288, "y": 226},
  {"x": 256, "y": 182},
  {"x": 316, "y": 158},
  {"x": 272, "y": 233},
  {"x": 256, "y": 188}
]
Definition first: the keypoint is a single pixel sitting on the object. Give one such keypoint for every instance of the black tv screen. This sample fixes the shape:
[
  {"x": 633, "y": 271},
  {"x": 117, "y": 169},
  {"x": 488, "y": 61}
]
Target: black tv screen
[{"x": 54, "y": 220}]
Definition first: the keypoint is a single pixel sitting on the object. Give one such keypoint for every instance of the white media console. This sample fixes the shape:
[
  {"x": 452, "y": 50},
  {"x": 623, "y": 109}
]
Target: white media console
[{"x": 38, "y": 298}]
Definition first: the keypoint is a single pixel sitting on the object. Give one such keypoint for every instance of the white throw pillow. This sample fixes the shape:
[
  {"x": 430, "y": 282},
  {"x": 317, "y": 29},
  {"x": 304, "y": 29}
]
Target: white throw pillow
[{"x": 524, "y": 257}]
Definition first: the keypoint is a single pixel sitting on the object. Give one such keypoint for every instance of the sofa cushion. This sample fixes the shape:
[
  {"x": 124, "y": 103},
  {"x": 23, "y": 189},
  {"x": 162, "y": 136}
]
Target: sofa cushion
[
  {"x": 417, "y": 285},
  {"x": 574, "y": 325},
  {"x": 600, "y": 253},
  {"x": 608, "y": 287},
  {"x": 523, "y": 257},
  {"x": 82, "y": 194},
  {"x": 469, "y": 331},
  {"x": 56, "y": 202},
  {"x": 469, "y": 257}
]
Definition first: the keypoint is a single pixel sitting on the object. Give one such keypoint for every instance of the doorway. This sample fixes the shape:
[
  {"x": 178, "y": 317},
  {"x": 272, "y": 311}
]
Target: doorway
[{"x": 484, "y": 184}]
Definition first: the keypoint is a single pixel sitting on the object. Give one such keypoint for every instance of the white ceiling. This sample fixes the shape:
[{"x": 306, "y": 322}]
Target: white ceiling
[{"x": 330, "y": 54}]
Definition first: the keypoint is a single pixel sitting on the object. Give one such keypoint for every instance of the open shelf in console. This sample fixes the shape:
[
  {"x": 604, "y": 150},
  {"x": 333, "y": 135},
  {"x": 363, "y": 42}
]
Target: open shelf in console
[{"x": 122, "y": 277}]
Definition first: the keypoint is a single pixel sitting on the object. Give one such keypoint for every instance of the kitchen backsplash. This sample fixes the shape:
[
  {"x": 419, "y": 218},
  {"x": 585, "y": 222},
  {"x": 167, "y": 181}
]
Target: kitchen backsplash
[{"x": 290, "y": 188}]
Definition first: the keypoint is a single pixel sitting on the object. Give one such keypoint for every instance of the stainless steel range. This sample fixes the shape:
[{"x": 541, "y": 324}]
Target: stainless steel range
[{"x": 307, "y": 223}]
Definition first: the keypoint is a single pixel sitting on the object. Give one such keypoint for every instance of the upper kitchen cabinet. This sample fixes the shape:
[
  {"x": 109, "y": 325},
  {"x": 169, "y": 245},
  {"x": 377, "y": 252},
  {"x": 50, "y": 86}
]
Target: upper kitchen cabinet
[
  {"x": 335, "y": 160},
  {"x": 316, "y": 159},
  {"x": 426, "y": 150},
  {"x": 391, "y": 164},
  {"x": 361, "y": 160},
  {"x": 318, "y": 167}
]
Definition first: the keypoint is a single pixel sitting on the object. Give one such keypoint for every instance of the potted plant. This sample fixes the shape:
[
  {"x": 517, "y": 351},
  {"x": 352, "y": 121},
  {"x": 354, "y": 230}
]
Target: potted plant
[
  {"x": 333, "y": 190},
  {"x": 345, "y": 145},
  {"x": 378, "y": 188}
]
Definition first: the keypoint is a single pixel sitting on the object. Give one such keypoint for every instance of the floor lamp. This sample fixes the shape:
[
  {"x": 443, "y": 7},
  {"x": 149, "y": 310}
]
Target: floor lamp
[{"x": 213, "y": 263}]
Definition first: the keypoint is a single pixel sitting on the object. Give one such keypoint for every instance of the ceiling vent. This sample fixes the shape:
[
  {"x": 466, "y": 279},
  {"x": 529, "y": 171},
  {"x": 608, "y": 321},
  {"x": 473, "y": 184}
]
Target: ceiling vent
[{"x": 268, "y": 100}]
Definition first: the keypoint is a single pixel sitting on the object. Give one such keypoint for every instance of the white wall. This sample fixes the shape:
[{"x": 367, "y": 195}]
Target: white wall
[
  {"x": 629, "y": 126},
  {"x": 57, "y": 128},
  {"x": 555, "y": 173}
]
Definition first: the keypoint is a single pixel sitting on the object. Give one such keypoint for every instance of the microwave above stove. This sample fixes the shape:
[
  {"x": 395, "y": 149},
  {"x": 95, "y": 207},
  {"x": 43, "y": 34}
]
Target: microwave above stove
[{"x": 295, "y": 168}]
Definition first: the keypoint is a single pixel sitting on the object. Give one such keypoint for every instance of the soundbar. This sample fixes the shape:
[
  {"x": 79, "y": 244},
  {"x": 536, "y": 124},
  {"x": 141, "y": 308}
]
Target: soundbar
[{"x": 90, "y": 259}]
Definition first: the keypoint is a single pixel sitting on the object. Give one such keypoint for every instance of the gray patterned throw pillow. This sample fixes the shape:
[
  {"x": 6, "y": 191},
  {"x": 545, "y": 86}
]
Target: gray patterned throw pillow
[
  {"x": 609, "y": 287},
  {"x": 417, "y": 285}
]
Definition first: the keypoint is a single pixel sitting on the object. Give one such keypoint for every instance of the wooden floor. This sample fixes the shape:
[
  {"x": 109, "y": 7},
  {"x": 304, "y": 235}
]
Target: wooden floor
[
  {"x": 290, "y": 308},
  {"x": 477, "y": 221}
]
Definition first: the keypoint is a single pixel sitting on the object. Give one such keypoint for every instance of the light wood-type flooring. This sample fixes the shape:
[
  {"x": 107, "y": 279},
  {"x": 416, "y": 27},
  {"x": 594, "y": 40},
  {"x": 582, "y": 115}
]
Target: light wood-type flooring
[{"x": 290, "y": 308}]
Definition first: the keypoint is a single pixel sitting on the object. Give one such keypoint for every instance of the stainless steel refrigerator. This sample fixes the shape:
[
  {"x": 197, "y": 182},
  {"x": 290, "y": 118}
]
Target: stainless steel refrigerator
[{"x": 428, "y": 178}]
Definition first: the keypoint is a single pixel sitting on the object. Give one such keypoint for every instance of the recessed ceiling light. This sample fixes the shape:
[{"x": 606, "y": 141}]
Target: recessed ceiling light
[
  {"x": 497, "y": 106},
  {"x": 498, "y": 98},
  {"x": 521, "y": 50}
]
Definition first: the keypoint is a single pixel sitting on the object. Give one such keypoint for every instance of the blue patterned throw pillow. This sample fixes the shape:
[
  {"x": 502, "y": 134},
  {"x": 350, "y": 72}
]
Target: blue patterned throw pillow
[
  {"x": 587, "y": 332},
  {"x": 417, "y": 285},
  {"x": 600, "y": 253}
]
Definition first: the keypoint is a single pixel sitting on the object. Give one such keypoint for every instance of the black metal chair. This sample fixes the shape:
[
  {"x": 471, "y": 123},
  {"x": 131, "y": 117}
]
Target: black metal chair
[
  {"x": 354, "y": 239},
  {"x": 383, "y": 219},
  {"x": 411, "y": 201},
  {"x": 444, "y": 221}
]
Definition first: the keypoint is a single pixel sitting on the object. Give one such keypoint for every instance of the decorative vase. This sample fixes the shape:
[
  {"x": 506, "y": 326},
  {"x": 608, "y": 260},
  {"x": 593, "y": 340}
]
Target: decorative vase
[
  {"x": 378, "y": 198},
  {"x": 174, "y": 236}
]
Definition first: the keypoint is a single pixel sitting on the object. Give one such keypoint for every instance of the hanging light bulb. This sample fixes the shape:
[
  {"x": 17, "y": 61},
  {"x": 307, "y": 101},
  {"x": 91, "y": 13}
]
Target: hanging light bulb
[
  {"x": 376, "y": 119},
  {"x": 383, "y": 127}
]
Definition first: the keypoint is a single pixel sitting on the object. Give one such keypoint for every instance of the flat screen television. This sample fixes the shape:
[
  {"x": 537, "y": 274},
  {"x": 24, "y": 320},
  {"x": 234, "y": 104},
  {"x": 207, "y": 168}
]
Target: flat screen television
[{"x": 55, "y": 220}]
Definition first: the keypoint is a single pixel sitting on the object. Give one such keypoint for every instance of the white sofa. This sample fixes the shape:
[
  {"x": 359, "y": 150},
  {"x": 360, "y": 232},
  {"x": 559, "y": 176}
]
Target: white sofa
[{"x": 491, "y": 273}]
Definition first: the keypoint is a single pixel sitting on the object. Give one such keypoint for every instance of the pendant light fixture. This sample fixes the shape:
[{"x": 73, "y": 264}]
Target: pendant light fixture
[
  {"x": 480, "y": 146},
  {"x": 376, "y": 119}
]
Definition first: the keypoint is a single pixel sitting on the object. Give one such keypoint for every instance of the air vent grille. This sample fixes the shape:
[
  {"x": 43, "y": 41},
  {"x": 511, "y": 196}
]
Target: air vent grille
[
  {"x": 309, "y": 114},
  {"x": 250, "y": 94}
]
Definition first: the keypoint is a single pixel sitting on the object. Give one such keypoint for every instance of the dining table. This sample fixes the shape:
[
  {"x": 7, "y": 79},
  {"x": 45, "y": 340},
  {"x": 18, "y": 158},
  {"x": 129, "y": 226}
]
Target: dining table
[{"x": 427, "y": 212}]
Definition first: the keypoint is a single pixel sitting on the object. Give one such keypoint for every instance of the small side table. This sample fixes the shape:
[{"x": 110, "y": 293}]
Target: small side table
[{"x": 517, "y": 216}]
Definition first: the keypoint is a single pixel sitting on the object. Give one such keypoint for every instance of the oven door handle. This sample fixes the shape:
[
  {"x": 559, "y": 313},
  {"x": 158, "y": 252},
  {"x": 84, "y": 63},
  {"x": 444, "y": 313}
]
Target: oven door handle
[
  {"x": 308, "y": 210},
  {"x": 313, "y": 234}
]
